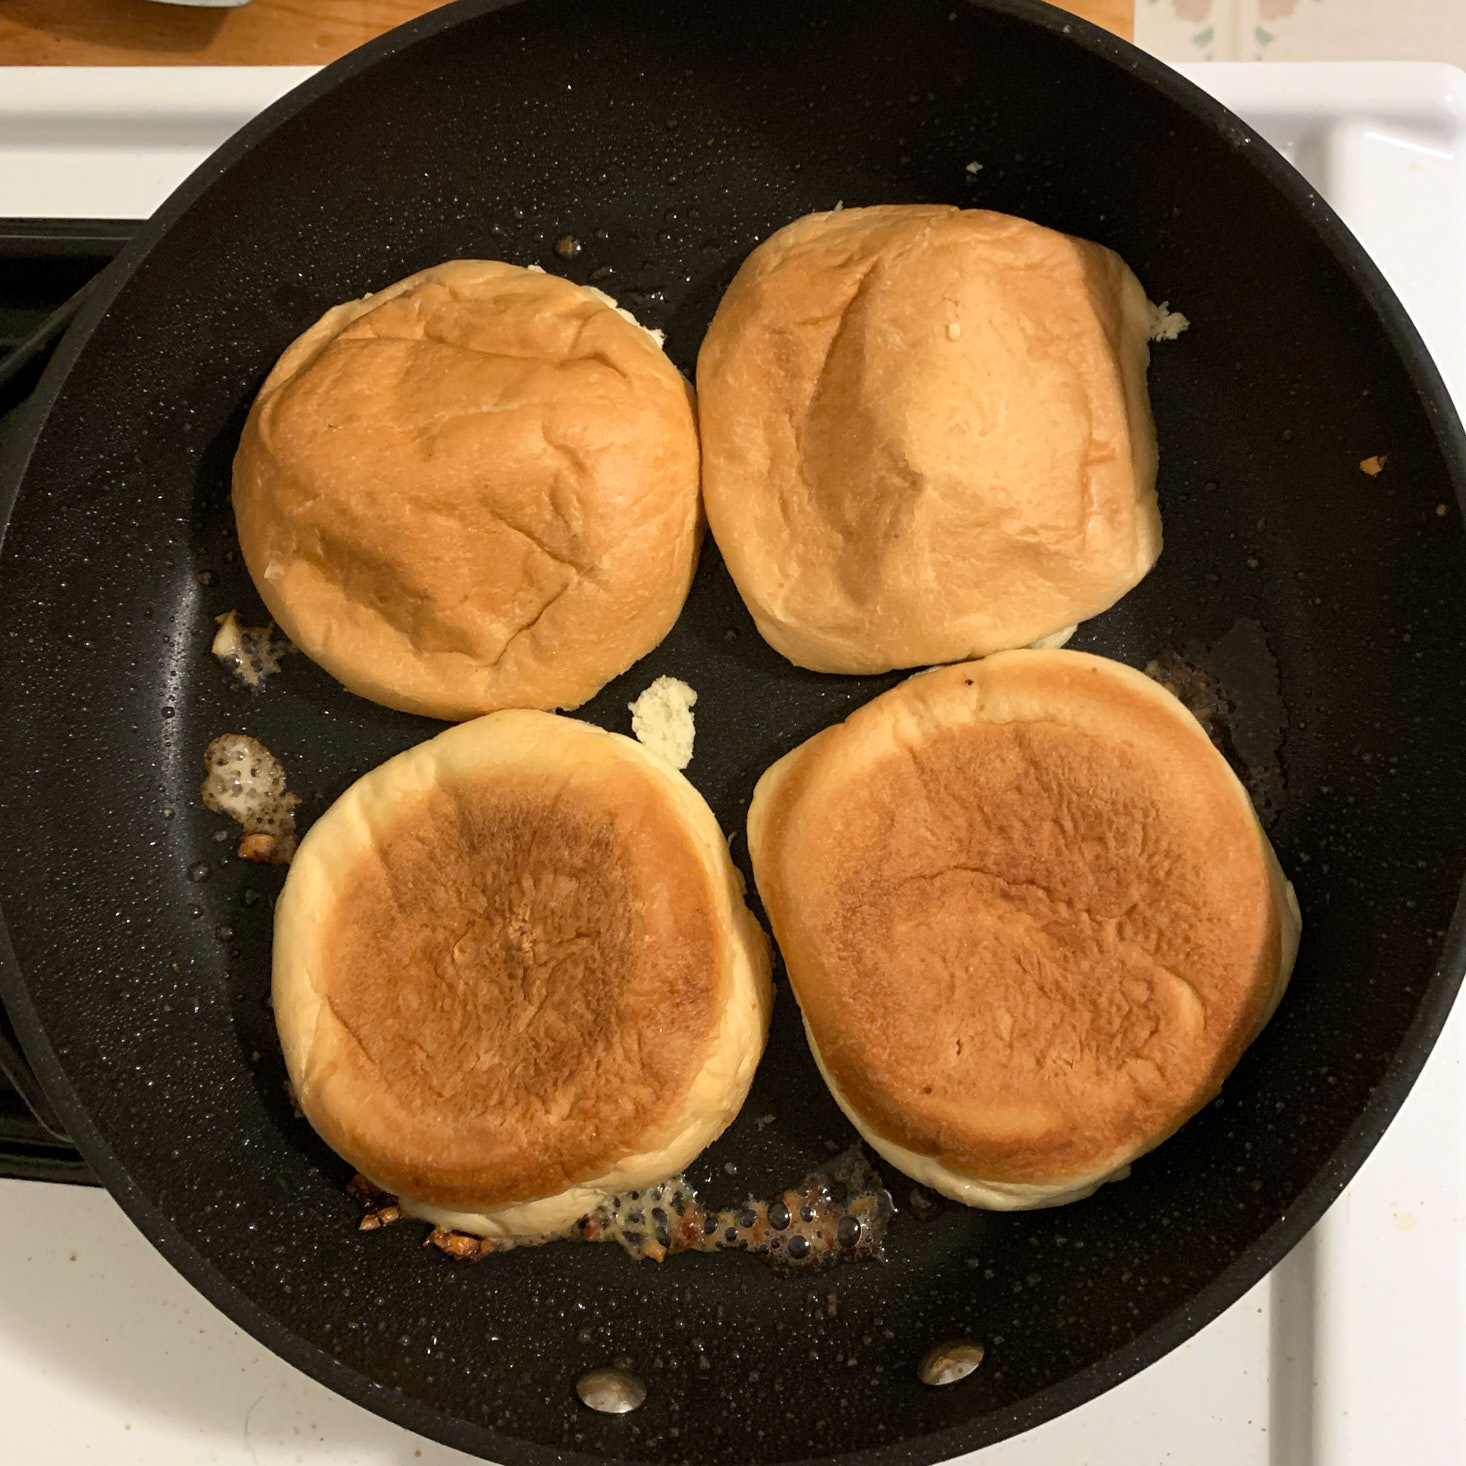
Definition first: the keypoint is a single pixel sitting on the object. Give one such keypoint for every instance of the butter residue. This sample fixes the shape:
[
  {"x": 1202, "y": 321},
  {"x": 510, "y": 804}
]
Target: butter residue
[
  {"x": 244, "y": 780},
  {"x": 252, "y": 653},
  {"x": 837, "y": 1214}
]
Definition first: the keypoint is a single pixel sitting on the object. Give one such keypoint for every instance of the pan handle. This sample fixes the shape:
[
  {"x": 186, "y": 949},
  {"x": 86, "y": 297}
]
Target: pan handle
[
  {"x": 20, "y": 367},
  {"x": 15, "y": 1068},
  {"x": 15, "y": 381}
]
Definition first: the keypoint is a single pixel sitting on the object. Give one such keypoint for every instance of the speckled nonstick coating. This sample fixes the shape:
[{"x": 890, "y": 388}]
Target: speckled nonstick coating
[{"x": 669, "y": 138}]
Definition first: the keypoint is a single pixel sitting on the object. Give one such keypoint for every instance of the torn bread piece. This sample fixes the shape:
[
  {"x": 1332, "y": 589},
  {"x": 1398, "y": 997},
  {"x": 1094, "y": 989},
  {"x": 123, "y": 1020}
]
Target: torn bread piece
[{"x": 661, "y": 718}]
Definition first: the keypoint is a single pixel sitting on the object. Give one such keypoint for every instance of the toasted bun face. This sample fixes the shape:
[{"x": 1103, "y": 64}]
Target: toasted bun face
[
  {"x": 513, "y": 972},
  {"x": 1030, "y": 917},
  {"x": 926, "y": 435},
  {"x": 475, "y": 489}
]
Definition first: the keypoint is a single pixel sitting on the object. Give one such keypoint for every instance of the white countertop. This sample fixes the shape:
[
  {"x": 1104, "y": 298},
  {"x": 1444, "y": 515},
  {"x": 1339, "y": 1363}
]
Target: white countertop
[
  {"x": 106, "y": 1354},
  {"x": 1350, "y": 1353}
]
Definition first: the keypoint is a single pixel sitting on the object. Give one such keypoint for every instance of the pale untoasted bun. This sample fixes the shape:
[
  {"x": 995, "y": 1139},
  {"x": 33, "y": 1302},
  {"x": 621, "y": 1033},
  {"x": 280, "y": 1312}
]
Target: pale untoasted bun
[
  {"x": 1030, "y": 917},
  {"x": 514, "y": 972},
  {"x": 926, "y": 435},
  {"x": 475, "y": 489}
]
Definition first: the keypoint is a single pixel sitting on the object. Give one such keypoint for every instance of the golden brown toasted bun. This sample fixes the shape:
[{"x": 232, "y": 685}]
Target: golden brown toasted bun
[
  {"x": 926, "y": 435},
  {"x": 1030, "y": 917},
  {"x": 514, "y": 972},
  {"x": 475, "y": 489}
]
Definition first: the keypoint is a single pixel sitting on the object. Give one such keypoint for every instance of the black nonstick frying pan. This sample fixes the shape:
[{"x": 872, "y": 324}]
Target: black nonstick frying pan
[{"x": 667, "y": 139}]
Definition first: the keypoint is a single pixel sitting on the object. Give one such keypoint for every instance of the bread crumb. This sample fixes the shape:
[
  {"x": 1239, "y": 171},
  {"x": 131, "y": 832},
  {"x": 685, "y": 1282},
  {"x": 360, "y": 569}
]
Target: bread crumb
[
  {"x": 267, "y": 849},
  {"x": 1166, "y": 324},
  {"x": 661, "y": 718},
  {"x": 954, "y": 330},
  {"x": 1373, "y": 465},
  {"x": 974, "y": 167}
]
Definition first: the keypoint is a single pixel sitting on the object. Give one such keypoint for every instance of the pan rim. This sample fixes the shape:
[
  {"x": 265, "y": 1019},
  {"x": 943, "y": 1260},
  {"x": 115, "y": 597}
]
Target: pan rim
[{"x": 1234, "y": 1280}]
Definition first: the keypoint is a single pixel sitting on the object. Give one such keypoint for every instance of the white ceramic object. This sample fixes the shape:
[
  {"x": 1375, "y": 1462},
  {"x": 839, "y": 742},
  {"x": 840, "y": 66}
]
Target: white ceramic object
[{"x": 1302, "y": 30}]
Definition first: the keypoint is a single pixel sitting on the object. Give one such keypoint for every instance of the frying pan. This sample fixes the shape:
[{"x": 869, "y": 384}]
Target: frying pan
[{"x": 668, "y": 139}]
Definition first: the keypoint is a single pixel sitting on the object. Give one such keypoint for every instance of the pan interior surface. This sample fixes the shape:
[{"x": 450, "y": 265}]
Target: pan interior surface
[{"x": 666, "y": 141}]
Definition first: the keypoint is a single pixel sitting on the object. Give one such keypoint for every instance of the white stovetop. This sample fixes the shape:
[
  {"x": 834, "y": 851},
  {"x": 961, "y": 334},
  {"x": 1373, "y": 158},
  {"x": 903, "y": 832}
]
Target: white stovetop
[{"x": 1352, "y": 1353}]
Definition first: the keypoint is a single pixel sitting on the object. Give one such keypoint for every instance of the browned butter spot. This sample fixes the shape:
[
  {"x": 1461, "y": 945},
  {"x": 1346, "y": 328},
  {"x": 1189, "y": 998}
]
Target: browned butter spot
[{"x": 839, "y": 1213}]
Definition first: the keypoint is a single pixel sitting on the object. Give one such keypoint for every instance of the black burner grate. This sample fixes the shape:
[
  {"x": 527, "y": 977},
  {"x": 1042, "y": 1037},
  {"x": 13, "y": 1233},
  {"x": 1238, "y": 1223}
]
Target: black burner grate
[{"x": 44, "y": 263}]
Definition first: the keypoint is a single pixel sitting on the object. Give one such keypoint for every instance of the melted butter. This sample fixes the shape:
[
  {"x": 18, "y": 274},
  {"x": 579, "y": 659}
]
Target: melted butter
[
  {"x": 252, "y": 653},
  {"x": 836, "y": 1214},
  {"x": 1198, "y": 692},
  {"x": 244, "y": 780},
  {"x": 1232, "y": 688}
]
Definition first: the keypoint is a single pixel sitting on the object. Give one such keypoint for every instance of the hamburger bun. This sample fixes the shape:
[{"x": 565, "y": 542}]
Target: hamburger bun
[
  {"x": 1030, "y": 918},
  {"x": 926, "y": 435},
  {"x": 514, "y": 973},
  {"x": 475, "y": 489}
]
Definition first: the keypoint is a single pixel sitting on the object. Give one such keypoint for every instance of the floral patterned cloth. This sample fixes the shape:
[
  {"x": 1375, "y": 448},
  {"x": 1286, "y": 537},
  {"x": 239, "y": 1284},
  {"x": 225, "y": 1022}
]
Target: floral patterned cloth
[{"x": 1303, "y": 30}]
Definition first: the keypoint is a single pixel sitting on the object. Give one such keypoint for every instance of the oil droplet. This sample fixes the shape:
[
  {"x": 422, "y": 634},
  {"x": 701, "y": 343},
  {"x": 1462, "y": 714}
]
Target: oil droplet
[
  {"x": 611, "y": 1391},
  {"x": 945, "y": 1364},
  {"x": 199, "y": 871}
]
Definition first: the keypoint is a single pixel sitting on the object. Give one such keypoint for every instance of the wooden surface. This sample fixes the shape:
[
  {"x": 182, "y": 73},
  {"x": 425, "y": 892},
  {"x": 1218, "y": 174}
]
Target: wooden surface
[{"x": 262, "y": 33}]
